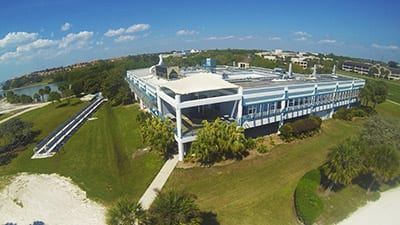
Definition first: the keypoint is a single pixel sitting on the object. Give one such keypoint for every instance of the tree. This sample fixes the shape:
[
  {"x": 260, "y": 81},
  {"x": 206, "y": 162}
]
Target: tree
[
  {"x": 383, "y": 164},
  {"x": 159, "y": 134},
  {"x": 125, "y": 212},
  {"x": 36, "y": 96},
  {"x": 217, "y": 141},
  {"x": 374, "y": 91},
  {"x": 174, "y": 208},
  {"x": 116, "y": 89},
  {"x": 15, "y": 133},
  {"x": 42, "y": 92},
  {"x": 344, "y": 163},
  {"x": 67, "y": 93},
  {"x": 393, "y": 64},
  {"x": 378, "y": 130},
  {"x": 54, "y": 96},
  {"x": 47, "y": 90}
]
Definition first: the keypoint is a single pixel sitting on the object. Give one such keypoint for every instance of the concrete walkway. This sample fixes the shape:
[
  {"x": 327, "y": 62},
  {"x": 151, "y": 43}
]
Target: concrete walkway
[
  {"x": 384, "y": 211},
  {"x": 151, "y": 193},
  {"x": 35, "y": 106}
]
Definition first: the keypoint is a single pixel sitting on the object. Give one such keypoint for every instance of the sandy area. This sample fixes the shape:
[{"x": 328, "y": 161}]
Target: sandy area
[
  {"x": 384, "y": 211},
  {"x": 51, "y": 199}
]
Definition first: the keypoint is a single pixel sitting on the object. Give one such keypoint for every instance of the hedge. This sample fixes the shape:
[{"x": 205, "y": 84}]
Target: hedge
[
  {"x": 348, "y": 114},
  {"x": 300, "y": 128},
  {"x": 307, "y": 203}
]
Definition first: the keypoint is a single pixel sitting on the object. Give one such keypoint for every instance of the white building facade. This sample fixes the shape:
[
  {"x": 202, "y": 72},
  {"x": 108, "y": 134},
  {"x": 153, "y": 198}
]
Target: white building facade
[{"x": 252, "y": 98}]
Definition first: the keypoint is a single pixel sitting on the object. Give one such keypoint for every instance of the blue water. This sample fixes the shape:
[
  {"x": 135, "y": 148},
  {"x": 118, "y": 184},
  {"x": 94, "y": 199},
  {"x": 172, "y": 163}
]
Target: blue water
[{"x": 32, "y": 90}]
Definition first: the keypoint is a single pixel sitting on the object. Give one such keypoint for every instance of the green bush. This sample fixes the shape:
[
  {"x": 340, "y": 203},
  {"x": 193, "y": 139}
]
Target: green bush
[
  {"x": 262, "y": 148},
  {"x": 307, "y": 203},
  {"x": 300, "y": 128},
  {"x": 349, "y": 114}
]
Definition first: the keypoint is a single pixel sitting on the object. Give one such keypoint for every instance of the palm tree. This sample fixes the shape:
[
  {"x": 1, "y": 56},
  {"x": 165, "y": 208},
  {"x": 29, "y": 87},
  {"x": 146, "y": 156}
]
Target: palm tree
[
  {"x": 125, "y": 212},
  {"x": 344, "y": 164},
  {"x": 36, "y": 96},
  {"x": 41, "y": 93},
  {"x": 383, "y": 163},
  {"x": 174, "y": 208}
]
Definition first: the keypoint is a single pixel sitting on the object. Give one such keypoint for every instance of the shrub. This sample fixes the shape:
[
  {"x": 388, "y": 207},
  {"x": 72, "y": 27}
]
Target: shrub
[
  {"x": 262, "y": 148},
  {"x": 300, "y": 128},
  {"x": 349, "y": 114},
  {"x": 307, "y": 203}
]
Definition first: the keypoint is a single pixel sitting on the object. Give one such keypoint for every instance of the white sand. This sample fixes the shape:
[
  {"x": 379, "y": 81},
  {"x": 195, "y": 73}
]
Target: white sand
[
  {"x": 384, "y": 211},
  {"x": 51, "y": 199}
]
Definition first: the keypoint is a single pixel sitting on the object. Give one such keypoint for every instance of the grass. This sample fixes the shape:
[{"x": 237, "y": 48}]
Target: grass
[
  {"x": 260, "y": 191},
  {"x": 337, "y": 206},
  {"x": 394, "y": 86},
  {"x": 98, "y": 157}
]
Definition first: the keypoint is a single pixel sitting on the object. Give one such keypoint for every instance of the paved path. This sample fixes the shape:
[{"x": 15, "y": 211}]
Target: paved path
[
  {"x": 39, "y": 105},
  {"x": 393, "y": 102},
  {"x": 158, "y": 182},
  {"x": 384, "y": 211}
]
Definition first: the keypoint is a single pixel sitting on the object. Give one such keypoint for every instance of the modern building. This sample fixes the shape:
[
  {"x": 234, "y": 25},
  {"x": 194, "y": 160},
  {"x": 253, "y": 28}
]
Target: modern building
[
  {"x": 300, "y": 61},
  {"x": 356, "y": 67},
  {"x": 255, "y": 98}
]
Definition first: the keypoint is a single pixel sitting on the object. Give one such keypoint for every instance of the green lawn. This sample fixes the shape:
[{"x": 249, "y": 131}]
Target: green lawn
[
  {"x": 98, "y": 157},
  {"x": 260, "y": 191},
  {"x": 394, "y": 86}
]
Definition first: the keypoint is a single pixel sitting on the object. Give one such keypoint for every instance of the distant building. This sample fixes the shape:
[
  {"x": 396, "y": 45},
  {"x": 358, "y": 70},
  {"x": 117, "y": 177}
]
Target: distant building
[
  {"x": 394, "y": 74},
  {"x": 300, "y": 61},
  {"x": 357, "y": 67},
  {"x": 167, "y": 72},
  {"x": 243, "y": 65}
]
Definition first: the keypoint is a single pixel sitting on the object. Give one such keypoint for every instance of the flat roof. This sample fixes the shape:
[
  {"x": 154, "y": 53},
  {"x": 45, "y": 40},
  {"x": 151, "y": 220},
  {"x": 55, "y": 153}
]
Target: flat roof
[
  {"x": 198, "y": 83},
  {"x": 231, "y": 77}
]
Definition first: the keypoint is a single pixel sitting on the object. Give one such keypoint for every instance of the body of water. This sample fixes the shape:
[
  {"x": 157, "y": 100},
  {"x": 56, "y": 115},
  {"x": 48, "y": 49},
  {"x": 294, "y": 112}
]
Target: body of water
[{"x": 32, "y": 90}]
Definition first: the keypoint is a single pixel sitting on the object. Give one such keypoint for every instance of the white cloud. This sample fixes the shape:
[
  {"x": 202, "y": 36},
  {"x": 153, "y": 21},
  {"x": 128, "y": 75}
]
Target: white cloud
[
  {"x": 99, "y": 42},
  {"x": 186, "y": 32},
  {"x": 132, "y": 29},
  {"x": 112, "y": 33},
  {"x": 386, "y": 47},
  {"x": 327, "y": 41},
  {"x": 137, "y": 28},
  {"x": 66, "y": 26},
  {"x": 75, "y": 41},
  {"x": 38, "y": 44},
  {"x": 125, "y": 38},
  {"x": 275, "y": 38},
  {"x": 220, "y": 38},
  {"x": 301, "y": 39},
  {"x": 302, "y": 33},
  {"x": 17, "y": 38},
  {"x": 245, "y": 38}
]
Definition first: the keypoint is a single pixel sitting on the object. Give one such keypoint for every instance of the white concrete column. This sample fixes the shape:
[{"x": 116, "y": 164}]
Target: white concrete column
[
  {"x": 159, "y": 108},
  {"x": 178, "y": 116},
  {"x": 240, "y": 106},
  {"x": 180, "y": 150},
  {"x": 141, "y": 104}
]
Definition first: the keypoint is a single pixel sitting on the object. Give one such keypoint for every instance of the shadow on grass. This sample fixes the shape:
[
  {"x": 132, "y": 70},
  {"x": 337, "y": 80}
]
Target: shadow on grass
[
  {"x": 62, "y": 105},
  {"x": 326, "y": 183},
  {"x": 367, "y": 181},
  {"x": 209, "y": 218}
]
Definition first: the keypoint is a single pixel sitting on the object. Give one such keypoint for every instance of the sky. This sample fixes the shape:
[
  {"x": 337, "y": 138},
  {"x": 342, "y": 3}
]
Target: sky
[{"x": 40, "y": 34}]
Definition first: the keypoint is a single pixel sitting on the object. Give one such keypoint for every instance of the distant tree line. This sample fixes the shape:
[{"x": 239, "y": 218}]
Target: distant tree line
[
  {"x": 21, "y": 81},
  {"x": 107, "y": 77}
]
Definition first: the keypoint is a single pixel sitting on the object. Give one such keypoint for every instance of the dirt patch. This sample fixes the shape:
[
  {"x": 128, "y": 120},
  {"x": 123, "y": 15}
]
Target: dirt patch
[{"x": 50, "y": 199}]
